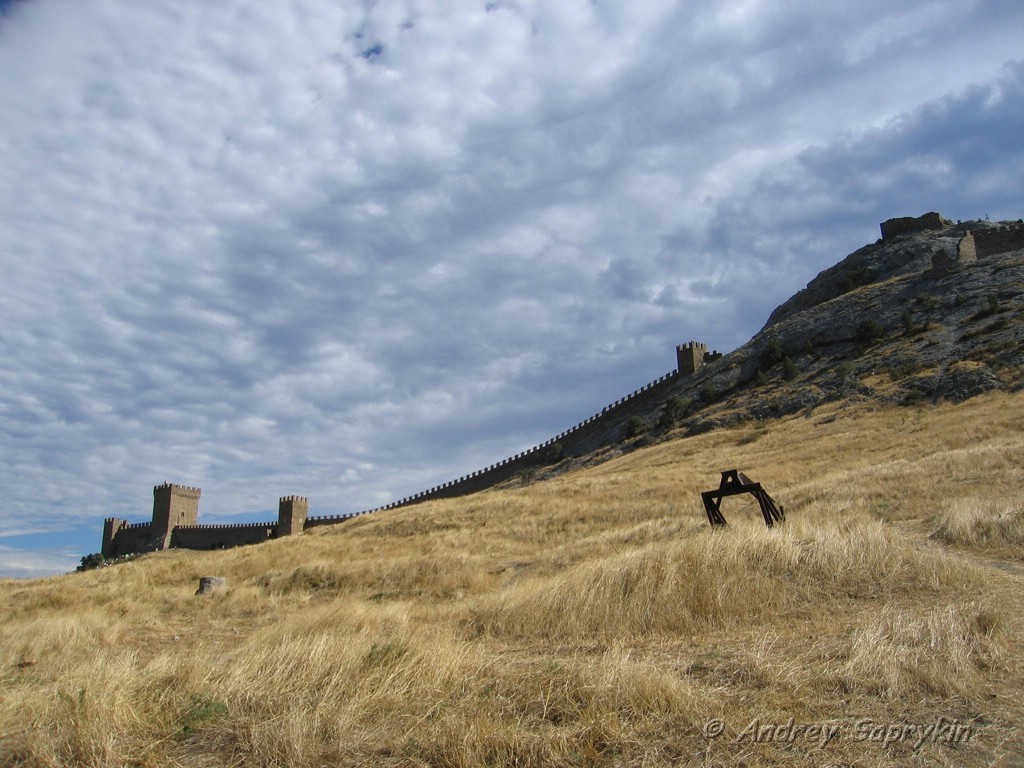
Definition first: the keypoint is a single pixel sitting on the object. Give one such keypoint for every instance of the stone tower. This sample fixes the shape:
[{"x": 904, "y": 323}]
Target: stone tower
[
  {"x": 291, "y": 515},
  {"x": 690, "y": 357},
  {"x": 173, "y": 505},
  {"x": 111, "y": 527}
]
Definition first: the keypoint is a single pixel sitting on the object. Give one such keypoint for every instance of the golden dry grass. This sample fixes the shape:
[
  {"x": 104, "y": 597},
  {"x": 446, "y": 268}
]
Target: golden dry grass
[{"x": 593, "y": 619}]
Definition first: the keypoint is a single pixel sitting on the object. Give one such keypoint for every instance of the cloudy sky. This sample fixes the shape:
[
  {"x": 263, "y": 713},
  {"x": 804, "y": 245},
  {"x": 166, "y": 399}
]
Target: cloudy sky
[{"x": 353, "y": 249}]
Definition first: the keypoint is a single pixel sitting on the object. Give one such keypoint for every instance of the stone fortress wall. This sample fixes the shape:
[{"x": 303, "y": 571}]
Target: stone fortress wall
[
  {"x": 174, "y": 524},
  {"x": 690, "y": 358},
  {"x": 1000, "y": 239},
  {"x": 984, "y": 240},
  {"x": 176, "y": 507}
]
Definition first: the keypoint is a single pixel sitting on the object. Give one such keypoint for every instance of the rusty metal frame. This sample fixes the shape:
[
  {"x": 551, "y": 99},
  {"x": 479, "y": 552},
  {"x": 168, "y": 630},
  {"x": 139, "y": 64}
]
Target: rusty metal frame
[{"x": 733, "y": 483}]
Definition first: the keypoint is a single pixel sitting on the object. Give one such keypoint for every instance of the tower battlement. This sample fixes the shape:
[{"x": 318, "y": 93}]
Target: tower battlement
[
  {"x": 178, "y": 490},
  {"x": 692, "y": 355},
  {"x": 173, "y": 505},
  {"x": 292, "y": 512}
]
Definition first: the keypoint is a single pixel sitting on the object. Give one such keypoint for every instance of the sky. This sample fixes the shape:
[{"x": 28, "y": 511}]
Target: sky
[{"x": 350, "y": 250}]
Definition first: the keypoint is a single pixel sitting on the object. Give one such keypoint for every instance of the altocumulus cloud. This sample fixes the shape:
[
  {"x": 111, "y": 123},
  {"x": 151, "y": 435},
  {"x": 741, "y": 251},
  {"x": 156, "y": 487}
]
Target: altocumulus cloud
[{"x": 351, "y": 250}]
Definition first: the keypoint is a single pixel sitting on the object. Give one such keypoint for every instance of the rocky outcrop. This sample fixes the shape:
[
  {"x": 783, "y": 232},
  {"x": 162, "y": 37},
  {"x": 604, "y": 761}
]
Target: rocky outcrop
[
  {"x": 907, "y": 224},
  {"x": 883, "y": 323}
]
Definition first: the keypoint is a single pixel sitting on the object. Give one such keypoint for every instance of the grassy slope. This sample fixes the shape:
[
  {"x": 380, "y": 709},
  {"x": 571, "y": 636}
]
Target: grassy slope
[{"x": 593, "y": 619}]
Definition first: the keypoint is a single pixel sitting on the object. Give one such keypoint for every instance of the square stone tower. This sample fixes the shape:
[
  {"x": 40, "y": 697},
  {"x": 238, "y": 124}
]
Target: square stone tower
[
  {"x": 292, "y": 512},
  {"x": 690, "y": 357},
  {"x": 173, "y": 505},
  {"x": 111, "y": 526}
]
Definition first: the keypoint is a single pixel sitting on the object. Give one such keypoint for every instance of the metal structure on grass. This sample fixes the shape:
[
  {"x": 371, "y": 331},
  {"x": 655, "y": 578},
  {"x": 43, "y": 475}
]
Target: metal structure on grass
[{"x": 733, "y": 483}]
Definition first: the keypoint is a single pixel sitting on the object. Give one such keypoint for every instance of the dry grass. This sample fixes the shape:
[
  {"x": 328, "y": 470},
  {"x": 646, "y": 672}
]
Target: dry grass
[
  {"x": 994, "y": 526},
  {"x": 593, "y": 619}
]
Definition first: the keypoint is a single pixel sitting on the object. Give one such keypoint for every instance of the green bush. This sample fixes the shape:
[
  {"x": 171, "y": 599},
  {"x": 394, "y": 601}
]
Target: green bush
[
  {"x": 675, "y": 409},
  {"x": 869, "y": 331},
  {"x": 789, "y": 370},
  {"x": 634, "y": 427},
  {"x": 773, "y": 353},
  {"x": 856, "y": 277},
  {"x": 95, "y": 560}
]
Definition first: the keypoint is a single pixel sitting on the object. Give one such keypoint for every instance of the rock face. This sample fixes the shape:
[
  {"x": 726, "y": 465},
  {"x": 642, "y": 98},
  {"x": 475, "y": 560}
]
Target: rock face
[
  {"x": 927, "y": 314},
  {"x": 948, "y": 248},
  {"x": 952, "y": 332}
]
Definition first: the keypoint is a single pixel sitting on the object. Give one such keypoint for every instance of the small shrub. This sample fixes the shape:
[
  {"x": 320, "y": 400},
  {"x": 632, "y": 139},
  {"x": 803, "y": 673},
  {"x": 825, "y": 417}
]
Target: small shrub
[
  {"x": 845, "y": 371},
  {"x": 913, "y": 397},
  {"x": 753, "y": 435},
  {"x": 634, "y": 427},
  {"x": 203, "y": 711},
  {"x": 906, "y": 369},
  {"x": 674, "y": 410},
  {"x": 95, "y": 560},
  {"x": 869, "y": 331},
  {"x": 554, "y": 453},
  {"x": 772, "y": 354},
  {"x": 910, "y": 327},
  {"x": 990, "y": 307},
  {"x": 789, "y": 369},
  {"x": 856, "y": 277}
]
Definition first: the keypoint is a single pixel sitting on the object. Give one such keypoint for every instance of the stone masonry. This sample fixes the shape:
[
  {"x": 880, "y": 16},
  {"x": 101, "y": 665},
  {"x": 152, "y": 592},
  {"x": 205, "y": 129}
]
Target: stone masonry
[
  {"x": 175, "y": 524},
  {"x": 690, "y": 357}
]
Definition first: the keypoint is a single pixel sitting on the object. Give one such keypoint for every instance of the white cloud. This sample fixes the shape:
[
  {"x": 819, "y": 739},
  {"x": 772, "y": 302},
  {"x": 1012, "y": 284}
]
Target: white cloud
[
  {"x": 29, "y": 564},
  {"x": 347, "y": 250}
]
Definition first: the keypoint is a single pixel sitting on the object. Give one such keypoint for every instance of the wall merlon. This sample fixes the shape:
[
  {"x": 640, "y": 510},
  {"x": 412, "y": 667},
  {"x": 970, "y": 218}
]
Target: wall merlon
[{"x": 223, "y": 526}]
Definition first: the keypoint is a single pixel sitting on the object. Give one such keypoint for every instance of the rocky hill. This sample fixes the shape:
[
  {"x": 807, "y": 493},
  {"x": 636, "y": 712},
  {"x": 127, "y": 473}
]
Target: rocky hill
[{"x": 932, "y": 311}]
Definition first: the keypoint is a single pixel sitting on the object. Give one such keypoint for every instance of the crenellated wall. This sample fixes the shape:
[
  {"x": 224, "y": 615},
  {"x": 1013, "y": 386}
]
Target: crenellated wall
[
  {"x": 122, "y": 538},
  {"x": 582, "y": 434},
  {"x": 313, "y": 522},
  {"x": 174, "y": 524},
  {"x": 176, "y": 507},
  {"x": 221, "y": 536},
  {"x": 993, "y": 240}
]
